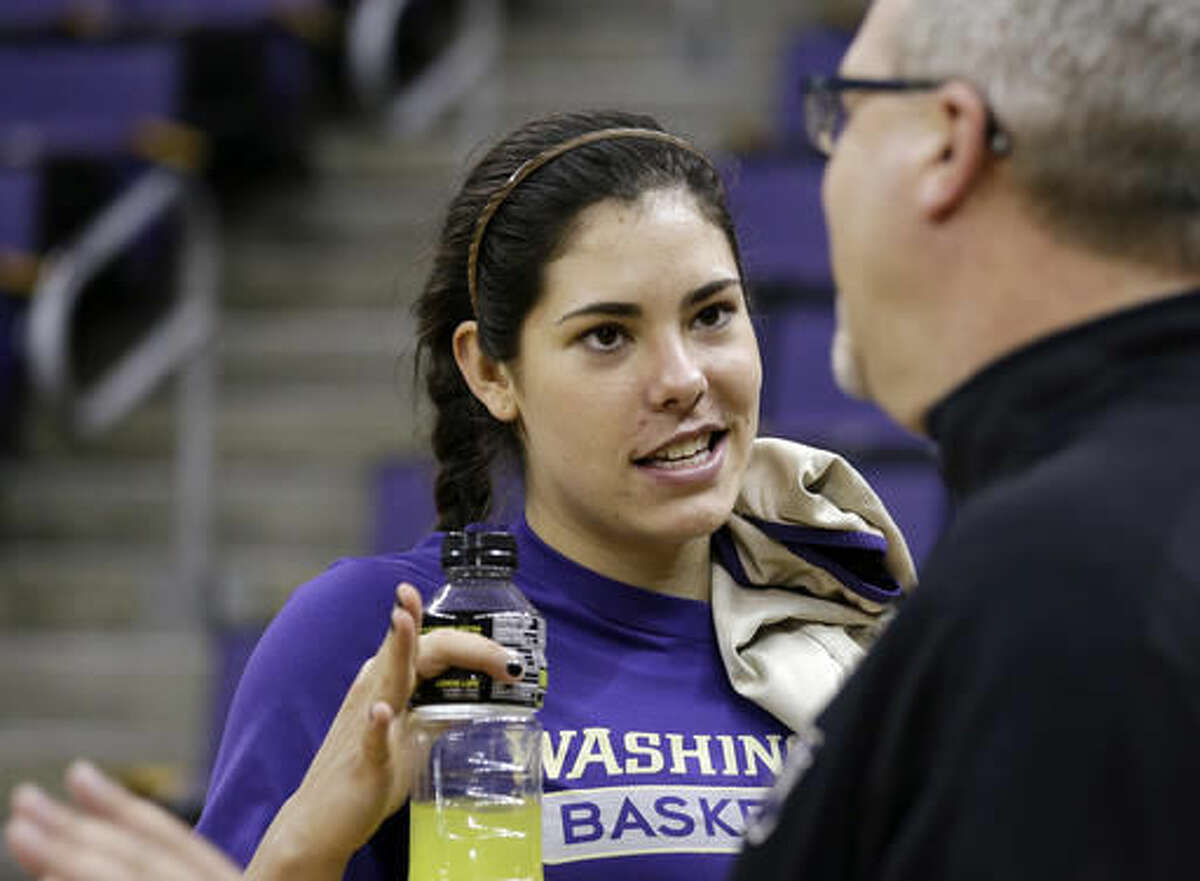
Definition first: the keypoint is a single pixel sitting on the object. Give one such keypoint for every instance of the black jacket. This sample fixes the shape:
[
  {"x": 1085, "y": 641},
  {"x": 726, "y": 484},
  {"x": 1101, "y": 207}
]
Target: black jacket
[{"x": 1034, "y": 710}]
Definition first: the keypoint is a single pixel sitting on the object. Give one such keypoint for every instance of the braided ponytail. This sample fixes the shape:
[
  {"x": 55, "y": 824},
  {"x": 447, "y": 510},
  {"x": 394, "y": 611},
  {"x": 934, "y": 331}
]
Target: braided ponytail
[{"x": 465, "y": 438}]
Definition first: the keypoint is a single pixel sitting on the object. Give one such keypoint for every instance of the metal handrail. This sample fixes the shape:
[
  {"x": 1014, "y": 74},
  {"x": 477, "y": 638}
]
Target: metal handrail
[
  {"x": 371, "y": 34},
  {"x": 181, "y": 342},
  {"x": 88, "y": 413}
]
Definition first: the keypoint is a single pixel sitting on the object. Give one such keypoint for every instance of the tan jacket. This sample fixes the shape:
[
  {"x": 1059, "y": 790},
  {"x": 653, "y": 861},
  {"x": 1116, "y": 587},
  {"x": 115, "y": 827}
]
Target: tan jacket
[{"x": 788, "y": 644}]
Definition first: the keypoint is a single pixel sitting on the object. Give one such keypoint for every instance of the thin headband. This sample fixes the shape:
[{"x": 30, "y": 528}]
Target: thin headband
[{"x": 529, "y": 166}]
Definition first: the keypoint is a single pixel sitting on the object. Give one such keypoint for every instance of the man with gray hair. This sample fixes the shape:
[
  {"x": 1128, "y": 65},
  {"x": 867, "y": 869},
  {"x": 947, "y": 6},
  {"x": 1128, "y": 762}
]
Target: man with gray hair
[{"x": 1013, "y": 197}]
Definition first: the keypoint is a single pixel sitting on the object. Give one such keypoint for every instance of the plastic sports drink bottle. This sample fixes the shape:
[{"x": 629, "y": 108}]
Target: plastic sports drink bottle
[{"x": 476, "y": 812}]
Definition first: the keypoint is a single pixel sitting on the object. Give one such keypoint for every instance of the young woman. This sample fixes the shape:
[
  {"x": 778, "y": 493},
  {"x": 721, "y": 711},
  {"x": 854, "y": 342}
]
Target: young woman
[{"x": 585, "y": 322}]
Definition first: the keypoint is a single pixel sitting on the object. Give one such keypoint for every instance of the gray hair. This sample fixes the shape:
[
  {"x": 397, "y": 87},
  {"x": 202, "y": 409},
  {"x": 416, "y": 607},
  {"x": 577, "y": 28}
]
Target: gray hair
[{"x": 1102, "y": 100}]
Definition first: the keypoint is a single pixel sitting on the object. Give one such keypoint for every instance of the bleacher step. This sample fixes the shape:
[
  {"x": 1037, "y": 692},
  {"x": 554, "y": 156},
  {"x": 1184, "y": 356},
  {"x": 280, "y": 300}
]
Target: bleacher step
[
  {"x": 355, "y": 205},
  {"x": 281, "y": 273},
  {"x": 364, "y": 344},
  {"x": 133, "y": 698},
  {"x": 564, "y": 57},
  {"x": 96, "y": 676},
  {"x": 362, "y": 149},
  {"x": 112, "y": 586},
  {"x": 316, "y": 419},
  {"x": 255, "y": 500}
]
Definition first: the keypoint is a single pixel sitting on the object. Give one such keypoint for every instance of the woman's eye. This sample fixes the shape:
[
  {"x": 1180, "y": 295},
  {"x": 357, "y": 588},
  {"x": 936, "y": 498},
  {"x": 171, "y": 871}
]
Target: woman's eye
[
  {"x": 715, "y": 315},
  {"x": 605, "y": 338}
]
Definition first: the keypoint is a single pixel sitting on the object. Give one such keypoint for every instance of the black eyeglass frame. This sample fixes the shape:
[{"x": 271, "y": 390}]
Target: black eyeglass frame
[{"x": 825, "y": 113}]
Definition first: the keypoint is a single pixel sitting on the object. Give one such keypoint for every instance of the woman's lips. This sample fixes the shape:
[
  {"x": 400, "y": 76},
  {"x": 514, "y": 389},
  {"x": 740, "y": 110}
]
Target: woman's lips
[{"x": 695, "y": 458}]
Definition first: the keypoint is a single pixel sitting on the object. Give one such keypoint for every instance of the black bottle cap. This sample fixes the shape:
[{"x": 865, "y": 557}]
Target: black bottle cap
[
  {"x": 479, "y": 549},
  {"x": 496, "y": 549},
  {"x": 454, "y": 549}
]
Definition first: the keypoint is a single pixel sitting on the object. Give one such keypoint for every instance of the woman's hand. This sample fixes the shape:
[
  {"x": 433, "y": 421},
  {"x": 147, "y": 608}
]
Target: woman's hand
[
  {"x": 107, "y": 834},
  {"x": 362, "y": 773},
  {"x": 359, "y": 777}
]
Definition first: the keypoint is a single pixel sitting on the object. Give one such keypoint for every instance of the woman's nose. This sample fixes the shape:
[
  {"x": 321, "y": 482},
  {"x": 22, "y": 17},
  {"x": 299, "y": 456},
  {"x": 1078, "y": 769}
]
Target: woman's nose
[{"x": 677, "y": 379}]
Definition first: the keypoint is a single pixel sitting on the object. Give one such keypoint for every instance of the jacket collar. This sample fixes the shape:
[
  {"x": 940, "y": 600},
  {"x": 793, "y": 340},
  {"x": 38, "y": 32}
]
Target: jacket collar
[{"x": 1035, "y": 400}]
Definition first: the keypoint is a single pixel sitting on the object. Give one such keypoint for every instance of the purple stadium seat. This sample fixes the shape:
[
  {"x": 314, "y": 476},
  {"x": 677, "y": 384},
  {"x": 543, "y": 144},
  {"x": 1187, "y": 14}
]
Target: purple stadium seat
[
  {"x": 403, "y": 504},
  {"x": 776, "y": 197},
  {"x": 776, "y": 207},
  {"x": 10, "y": 323},
  {"x": 27, "y": 15},
  {"x": 181, "y": 14},
  {"x": 816, "y": 50},
  {"x": 800, "y": 399},
  {"x": 19, "y": 191},
  {"x": 83, "y": 100},
  {"x": 19, "y": 220},
  {"x": 404, "y": 510}
]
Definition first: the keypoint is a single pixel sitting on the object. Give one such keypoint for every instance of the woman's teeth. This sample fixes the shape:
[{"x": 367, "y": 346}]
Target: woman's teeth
[{"x": 683, "y": 453}]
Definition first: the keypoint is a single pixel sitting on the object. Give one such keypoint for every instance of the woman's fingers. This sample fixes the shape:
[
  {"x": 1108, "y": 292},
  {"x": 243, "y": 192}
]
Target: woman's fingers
[
  {"x": 409, "y": 600},
  {"x": 403, "y": 656},
  {"x": 44, "y": 854},
  {"x": 401, "y": 648},
  {"x": 390, "y": 675},
  {"x": 52, "y": 839},
  {"x": 33, "y": 829},
  {"x": 386, "y": 681},
  {"x": 443, "y": 648},
  {"x": 97, "y": 794},
  {"x": 376, "y": 741}
]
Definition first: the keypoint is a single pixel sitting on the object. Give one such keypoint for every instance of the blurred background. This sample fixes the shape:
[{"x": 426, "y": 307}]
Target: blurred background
[{"x": 214, "y": 215}]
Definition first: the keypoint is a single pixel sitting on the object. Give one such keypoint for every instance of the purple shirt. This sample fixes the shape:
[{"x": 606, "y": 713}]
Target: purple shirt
[{"x": 652, "y": 763}]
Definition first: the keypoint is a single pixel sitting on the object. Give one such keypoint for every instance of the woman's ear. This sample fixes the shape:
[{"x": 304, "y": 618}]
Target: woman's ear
[
  {"x": 961, "y": 150},
  {"x": 488, "y": 379}
]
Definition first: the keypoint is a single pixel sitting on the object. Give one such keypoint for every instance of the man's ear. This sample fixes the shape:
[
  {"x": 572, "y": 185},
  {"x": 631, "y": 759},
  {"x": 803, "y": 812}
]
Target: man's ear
[
  {"x": 960, "y": 150},
  {"x": 488, "y": 379}
]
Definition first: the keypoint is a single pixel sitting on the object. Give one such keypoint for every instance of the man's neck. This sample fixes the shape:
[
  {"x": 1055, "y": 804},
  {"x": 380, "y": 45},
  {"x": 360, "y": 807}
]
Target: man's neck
[
  {"x": 1063, "y": 289},
  {"x": 1026, "y": 283}
]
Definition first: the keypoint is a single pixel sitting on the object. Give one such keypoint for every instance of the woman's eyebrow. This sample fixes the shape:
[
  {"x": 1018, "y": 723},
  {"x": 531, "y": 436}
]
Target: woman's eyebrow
[
  {"x": 702, "y": 293},
  {"x": 609, "y": 308},
  {"x": 617, "y": 309}
]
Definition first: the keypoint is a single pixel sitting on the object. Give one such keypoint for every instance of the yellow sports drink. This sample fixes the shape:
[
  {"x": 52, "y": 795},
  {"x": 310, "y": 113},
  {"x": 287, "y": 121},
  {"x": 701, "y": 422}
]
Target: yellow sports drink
[{"x": 468, "y": 841}]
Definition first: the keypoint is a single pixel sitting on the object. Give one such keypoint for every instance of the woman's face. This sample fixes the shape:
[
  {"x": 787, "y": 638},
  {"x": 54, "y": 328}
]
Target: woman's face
[{"x": 637, "y": 383}]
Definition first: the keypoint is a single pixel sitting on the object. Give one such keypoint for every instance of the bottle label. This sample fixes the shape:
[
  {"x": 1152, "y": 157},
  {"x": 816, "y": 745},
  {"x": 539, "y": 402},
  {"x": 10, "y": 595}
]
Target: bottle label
[{"x": 521, "y": 632}]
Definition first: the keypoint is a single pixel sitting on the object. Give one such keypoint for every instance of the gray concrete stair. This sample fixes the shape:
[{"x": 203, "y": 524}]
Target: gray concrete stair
[
  {"x": 372, "y": 272},
  {"x": 51, "y": 585},
  {"x": 357, "y": 203},
  {"x": 313, "y": 419},
  {"x": 105, "y": 676},
  {"x": 257, "y": 500},
  {"x": 117, "y": 585},
  {"x": 365, "y": 344},
  {"x": 133, "y": 701}
]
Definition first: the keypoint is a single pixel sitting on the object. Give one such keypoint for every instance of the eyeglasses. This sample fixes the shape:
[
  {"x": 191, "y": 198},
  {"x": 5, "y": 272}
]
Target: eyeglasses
[{"x": 825, "y": 114}]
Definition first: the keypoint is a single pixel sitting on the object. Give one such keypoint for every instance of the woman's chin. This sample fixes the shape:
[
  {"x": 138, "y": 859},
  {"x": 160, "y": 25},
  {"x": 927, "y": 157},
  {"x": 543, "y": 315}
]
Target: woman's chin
[{"x": 691, "y": 519}]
